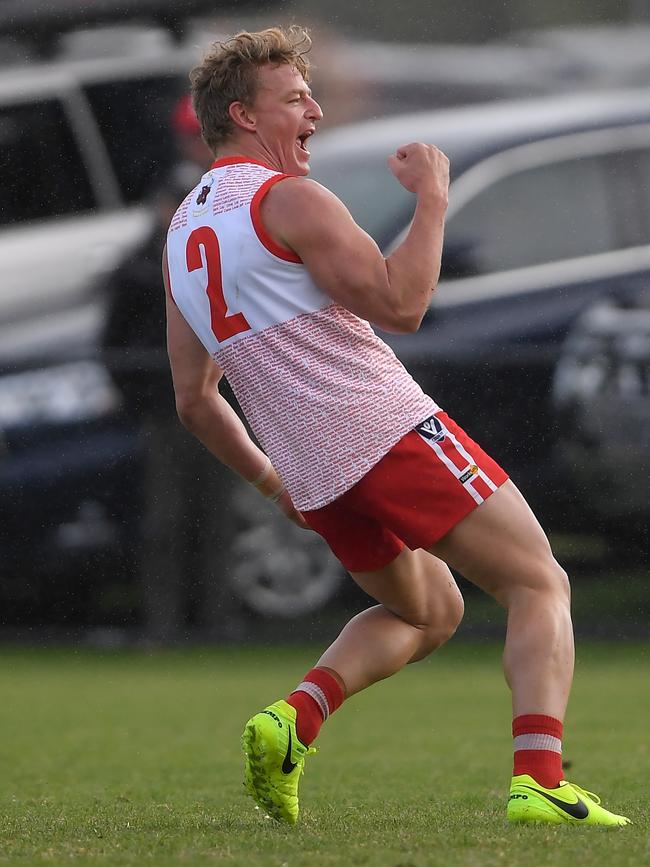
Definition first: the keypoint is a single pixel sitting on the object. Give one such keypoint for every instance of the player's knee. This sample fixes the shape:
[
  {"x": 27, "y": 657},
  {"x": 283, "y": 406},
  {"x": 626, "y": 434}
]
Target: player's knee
[
  {"x": 546, "y": 579},
  {"x": 442, "y": 621},
  {"x": 554, "y": 581},
  {"x": 454, "y": 612}
]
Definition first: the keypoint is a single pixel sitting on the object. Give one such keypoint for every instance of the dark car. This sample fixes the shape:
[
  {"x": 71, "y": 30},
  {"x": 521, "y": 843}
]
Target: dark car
[
  {"x": 549, "y": 212},
  {"x": 601, "y": 391}
]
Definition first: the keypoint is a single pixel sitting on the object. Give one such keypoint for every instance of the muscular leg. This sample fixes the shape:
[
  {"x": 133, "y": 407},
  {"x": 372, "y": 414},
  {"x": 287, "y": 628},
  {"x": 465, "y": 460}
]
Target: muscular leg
[
  {"x": 501, "y": 548},
  {"x": 420, "y": 608}
]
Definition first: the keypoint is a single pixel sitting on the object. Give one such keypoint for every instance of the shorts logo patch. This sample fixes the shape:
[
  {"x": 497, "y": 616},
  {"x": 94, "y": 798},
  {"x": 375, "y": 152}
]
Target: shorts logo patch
[
  {"x": 431, "y": 429},
  {"x": 469, "y": 473}
]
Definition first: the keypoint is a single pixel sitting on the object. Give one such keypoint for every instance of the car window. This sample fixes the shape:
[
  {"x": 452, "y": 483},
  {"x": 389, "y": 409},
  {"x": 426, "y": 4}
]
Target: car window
[
  {"x": 41, "y": 170},
  {"x": 541, "y": 214},
  {"x": 133, "y": 115},
  {"x": 378, "y": 203},
  {"x": 636, "y": 163}
]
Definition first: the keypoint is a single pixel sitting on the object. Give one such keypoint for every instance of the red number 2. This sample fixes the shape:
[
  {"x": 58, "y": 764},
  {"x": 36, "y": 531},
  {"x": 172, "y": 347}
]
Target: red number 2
[{"x": 223, "y": 326}]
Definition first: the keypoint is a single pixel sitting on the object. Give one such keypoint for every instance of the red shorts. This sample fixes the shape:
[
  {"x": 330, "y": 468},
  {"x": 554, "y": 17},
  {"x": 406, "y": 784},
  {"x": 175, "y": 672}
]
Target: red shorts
[{"x": 428, "y": 482}]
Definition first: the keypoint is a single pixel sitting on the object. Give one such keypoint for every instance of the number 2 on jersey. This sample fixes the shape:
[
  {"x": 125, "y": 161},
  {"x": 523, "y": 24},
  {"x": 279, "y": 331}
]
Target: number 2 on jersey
[{"x": 223, "y": 325}]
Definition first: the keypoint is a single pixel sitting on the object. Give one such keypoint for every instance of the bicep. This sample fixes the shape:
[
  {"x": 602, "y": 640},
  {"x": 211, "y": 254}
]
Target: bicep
[{"x": 343, "y": 260}]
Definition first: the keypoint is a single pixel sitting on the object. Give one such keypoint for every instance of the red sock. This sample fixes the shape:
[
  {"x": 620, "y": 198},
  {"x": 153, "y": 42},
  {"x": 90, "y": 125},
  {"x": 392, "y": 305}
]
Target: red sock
[
  {"x": 538, "y": 748},
  {"x": 318, "y": 695}
]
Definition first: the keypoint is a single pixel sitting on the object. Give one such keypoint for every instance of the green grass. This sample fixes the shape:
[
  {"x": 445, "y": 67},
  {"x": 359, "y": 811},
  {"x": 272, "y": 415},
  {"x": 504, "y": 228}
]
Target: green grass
[{"x": 133, "y": 759}]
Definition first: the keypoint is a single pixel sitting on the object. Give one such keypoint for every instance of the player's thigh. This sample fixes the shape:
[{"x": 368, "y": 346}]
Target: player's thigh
[
  {"x": 500, "y": 546},
  {"x": 417, "y": 586}
]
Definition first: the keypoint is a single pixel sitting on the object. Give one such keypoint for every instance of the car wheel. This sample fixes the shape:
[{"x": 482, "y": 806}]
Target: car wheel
[{"x": 276, "y": 568}]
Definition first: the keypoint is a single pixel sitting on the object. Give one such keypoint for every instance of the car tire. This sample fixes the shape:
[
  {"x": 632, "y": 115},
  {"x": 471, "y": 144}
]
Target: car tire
[{"x": 276, "y": 568}]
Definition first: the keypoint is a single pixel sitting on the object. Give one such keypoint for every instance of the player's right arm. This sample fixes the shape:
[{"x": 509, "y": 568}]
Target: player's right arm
[
  {"x": 345, "y": 262},
  {"x": 209, "y": 416}
]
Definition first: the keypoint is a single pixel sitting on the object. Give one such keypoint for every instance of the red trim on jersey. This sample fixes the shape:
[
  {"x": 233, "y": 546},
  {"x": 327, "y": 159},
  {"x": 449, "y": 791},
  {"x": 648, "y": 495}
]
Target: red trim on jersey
[
  {"x": 231, "y": 161},
  {"x": 169, "y": 279},
  {"x": 264, "y": 237}
]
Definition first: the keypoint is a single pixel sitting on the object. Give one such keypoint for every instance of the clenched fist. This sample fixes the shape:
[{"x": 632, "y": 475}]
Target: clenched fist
[{"x": 421, "y": 169}]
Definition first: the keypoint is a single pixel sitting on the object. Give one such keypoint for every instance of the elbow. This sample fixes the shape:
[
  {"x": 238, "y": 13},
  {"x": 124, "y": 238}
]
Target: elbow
[
  {"x": 406, "y": 318},
  {"x": 413, "y": 326},
  {"x": 188, "y": 409},
  {"x": 195, "y": 400},
  {"x": 412, "y": 323},
  {"x": 408, "y": 321},
  {"x": 401, "y": 326}
]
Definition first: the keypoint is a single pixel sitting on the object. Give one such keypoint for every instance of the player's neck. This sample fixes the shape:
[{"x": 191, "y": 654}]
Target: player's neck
[{"x": 252, "y": 150}]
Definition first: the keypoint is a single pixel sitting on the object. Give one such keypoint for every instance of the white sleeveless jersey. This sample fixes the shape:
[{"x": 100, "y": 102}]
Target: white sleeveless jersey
[{"x": 325, "y": 397}]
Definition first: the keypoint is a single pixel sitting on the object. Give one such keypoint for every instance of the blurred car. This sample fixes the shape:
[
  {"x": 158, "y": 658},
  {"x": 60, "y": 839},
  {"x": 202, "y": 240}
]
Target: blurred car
[
  {"x": 605, "y": 55},
  {"x": 81, "y": 153},
  {"x": 95, "y": 124},
  {"x": 549, "y": 211},
  {"x": 601, "y": 391}
]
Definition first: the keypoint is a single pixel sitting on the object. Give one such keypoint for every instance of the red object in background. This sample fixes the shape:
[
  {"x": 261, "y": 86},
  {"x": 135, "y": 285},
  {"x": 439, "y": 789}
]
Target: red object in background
[{"x": 184, "y": 120}]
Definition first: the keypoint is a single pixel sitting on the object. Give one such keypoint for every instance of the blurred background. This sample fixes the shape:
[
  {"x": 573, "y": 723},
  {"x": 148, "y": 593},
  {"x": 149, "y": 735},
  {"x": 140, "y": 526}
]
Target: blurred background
[{"x": 117, "y": 528}]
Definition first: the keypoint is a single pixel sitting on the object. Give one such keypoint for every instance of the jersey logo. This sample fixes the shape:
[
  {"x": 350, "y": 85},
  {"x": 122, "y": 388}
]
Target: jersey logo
[
  {"x": 203, "y": 195},
  {"x": 200, "y": 203}
]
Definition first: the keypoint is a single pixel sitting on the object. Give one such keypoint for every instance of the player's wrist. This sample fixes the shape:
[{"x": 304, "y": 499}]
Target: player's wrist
[
  {"x": 276, "y": 496},
  {"x": 268, "y": 483},
  {"x": 433, "y": 196},
  {"x": 263, "y": 474}
]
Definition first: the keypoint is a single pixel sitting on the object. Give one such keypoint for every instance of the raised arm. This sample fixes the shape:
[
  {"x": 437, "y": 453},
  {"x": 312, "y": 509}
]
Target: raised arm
[
  {"x": 345, "y": 262},
  {"x": 209, "y": 416}
]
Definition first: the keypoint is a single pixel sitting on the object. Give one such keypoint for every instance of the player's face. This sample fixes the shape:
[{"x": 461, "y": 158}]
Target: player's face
[{"x": 285, "y": 116}]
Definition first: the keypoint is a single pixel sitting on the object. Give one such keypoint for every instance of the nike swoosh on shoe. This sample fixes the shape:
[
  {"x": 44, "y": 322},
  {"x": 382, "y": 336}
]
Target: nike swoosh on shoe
[
  {"x": 579, "y": 810},
  {"x": 287, "y": 764}
]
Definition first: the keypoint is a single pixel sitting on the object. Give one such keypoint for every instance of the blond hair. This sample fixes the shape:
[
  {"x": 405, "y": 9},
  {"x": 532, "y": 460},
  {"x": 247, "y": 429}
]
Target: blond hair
[{"x": 228, "y": 74}]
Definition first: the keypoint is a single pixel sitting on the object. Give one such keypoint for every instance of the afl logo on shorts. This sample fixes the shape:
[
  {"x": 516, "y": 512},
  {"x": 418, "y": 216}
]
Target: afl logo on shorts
[{"x": 431, "y": 429}]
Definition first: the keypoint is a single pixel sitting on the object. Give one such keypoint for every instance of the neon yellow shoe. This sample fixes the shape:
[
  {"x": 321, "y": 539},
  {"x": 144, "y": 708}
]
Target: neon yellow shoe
[
  {"x": 275, "y": 761},
  {"x": 568, "y": 804}
]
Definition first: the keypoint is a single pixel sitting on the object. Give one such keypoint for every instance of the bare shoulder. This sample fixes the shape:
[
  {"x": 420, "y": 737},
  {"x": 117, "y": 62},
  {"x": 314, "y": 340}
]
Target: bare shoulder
[
  {"x": 295, "y": 205},
  {"x": 299, "y": 191}
]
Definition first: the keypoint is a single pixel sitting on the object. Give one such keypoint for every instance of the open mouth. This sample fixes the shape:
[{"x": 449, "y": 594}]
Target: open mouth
[{"x": 302, "y": 138}]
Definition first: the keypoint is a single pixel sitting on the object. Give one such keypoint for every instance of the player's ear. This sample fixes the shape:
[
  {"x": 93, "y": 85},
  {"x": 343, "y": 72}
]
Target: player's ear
[{"x": 242, "y": 116}]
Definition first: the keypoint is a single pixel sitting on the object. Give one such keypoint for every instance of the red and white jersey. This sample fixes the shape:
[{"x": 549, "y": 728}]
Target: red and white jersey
[{"x": 325, "y": 397}]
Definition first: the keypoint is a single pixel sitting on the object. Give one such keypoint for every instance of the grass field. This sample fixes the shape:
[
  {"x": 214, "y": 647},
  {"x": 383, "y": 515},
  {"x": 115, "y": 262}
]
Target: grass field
[{"x": 133, "y": 759}]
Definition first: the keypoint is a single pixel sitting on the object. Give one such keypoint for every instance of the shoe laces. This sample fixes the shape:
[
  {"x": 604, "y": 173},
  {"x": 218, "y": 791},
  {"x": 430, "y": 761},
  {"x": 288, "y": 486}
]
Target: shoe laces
[
  {"x": 310, "y": 752},
  {"x": 582, "y": 791}
]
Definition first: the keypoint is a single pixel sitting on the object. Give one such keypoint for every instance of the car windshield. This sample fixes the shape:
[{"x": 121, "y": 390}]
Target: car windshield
[
  {"x": 378, "y": 203},
  {"x": 33, "y": 137},
  {"x": 134, "y": 117}
]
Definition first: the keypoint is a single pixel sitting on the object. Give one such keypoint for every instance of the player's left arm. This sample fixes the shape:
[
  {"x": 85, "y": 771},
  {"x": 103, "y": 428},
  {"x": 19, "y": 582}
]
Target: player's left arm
[{"x": 208, "y": 415}]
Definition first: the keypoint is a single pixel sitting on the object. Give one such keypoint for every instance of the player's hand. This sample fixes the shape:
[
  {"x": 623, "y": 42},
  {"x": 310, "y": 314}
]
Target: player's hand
[
  {"x": 421, "y": 169},
  {"x": 270, "y": 485},
  {"x": 286, "y": 506}
]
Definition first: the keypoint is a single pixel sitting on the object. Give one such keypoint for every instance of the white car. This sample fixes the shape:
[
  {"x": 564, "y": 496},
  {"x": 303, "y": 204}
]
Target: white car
[{"x": 81, "y": 152}]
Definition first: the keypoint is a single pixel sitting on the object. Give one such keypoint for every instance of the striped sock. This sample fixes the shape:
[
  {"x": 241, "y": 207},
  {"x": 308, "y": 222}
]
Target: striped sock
[
  {"x": 538, "y": 748},
  {"x": 320, "y": 693}
]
